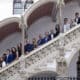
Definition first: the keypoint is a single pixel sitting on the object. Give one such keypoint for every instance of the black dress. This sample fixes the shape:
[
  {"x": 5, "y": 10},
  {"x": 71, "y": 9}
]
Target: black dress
[{"x": 57, "y": 33}]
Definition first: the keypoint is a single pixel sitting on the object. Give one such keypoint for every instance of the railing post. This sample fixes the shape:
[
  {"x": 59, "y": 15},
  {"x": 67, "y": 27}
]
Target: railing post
[
  {"x": 60, "y": 3},
  {"x": 23, "y": 34},
  {"x": 62, "y": 65},
  {"x": 22, "y": 62}
]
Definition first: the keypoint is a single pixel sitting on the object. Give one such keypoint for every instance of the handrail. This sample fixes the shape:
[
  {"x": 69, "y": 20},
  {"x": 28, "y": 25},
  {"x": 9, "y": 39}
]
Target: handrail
[{"x": 38, "y": 49}]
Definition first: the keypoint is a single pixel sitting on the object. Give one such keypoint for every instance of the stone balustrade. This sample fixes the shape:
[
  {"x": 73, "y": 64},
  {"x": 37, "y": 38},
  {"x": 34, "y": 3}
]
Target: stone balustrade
[{"x": 33, "y": 59}]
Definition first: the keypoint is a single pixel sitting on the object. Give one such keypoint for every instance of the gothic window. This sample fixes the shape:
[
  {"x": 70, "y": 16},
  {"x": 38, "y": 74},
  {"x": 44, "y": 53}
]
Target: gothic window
[
  {"x": 19, "y": 6},
  {"x": 28, "y": 3}
]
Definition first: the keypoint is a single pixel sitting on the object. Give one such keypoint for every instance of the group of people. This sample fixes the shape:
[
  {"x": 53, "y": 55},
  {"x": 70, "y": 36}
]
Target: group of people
[
  {"x": 15, "y": 52},
  {"x": 68, "y": 25},
  {"x": 41, "y": 40},
  {"x": 10, "y": 55}
]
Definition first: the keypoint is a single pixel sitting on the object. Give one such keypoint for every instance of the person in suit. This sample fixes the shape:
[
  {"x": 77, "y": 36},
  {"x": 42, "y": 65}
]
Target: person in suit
[
  {"x": 4, "y": 56},
  {"x": 3, "y": 63},
  {"x": 46, "y": 38},
  {"x": 40, "y": 40},
  {"x": 72, "y": 23},
  {"x": 57, "y": 29},
  {"x": 9, "y": 58},
  {"x": 51, "y": 35},
  {"x": 28, "y": 47},
  {"x": 34, "y": 42},
  {"x": 66, "y": 25},
  {"x": 77, "y": 18},
  {"x": 19, "y": 49},
  {"x": 14, "y": 53}
]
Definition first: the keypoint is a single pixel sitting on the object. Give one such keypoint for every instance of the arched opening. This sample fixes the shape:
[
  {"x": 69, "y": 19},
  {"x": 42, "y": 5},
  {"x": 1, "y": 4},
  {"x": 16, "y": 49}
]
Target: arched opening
[
  {"x": 8, "y": 29},
  {"x": 38, "y": 23},
  {"x": 78, "y": 66},
  {"x": 41, "y": 19},
  {"x": 43, "y": 10},
  {"x": 46, "y": 75},
  {"x": 73, "y": 69},
  {"x": 70, "y": 8},
  {"x": 10, "y": 34}
]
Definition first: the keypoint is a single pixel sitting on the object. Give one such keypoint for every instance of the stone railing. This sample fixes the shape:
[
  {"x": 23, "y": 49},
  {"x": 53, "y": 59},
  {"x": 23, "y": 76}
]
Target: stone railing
[{"x": 25, "y": 62}]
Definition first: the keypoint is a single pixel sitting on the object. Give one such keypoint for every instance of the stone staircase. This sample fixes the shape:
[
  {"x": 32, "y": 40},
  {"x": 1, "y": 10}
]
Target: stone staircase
[{"x": 49, "y": 57}]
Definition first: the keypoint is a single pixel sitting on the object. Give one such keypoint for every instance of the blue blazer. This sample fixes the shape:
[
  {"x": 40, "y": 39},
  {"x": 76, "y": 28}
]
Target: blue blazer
[
  {"x": 28, "y": 47},
  {"x": 40, "y": 42},
  {"x": 46, "y": 39},
  {"x": 9, "y": 58}
]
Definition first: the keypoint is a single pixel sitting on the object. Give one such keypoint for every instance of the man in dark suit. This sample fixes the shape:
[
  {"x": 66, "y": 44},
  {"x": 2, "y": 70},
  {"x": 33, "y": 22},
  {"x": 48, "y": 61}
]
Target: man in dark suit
[
  {"x": 28, "y": 47},
  {"x": 40, "y": 40},
  {"x": 47, "y": 37},
  {"x": 57, "y": 29},
  {"x": 9, "y": 58},
  {"x": 51, "y": 35},
  {"x": 77, "y": 18}
]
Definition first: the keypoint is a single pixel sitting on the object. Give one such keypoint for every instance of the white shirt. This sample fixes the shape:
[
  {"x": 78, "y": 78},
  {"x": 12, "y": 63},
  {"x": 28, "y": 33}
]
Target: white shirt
[
  {"x": 76, "y": 20},
  {"x": 52, "y": 36},
  {"x": 3, "y": 64},
  {"x": 66, "y": 27}
]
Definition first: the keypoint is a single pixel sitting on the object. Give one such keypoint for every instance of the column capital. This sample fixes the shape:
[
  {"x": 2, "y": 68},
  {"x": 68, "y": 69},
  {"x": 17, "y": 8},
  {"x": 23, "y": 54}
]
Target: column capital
[
  {"x": 22, "y": 24},
  {"x": 60, "y": 2}
]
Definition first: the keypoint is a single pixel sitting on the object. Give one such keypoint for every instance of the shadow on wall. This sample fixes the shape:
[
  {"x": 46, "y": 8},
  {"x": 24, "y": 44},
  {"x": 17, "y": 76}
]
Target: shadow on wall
[{"x": 44, "y": 74}]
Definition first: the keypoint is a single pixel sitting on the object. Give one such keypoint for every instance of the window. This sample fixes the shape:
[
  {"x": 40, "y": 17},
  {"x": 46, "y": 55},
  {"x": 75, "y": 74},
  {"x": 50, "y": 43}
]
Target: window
[
  {"x": 19, "y": 7},
  {"x": 17, "y": 1}
]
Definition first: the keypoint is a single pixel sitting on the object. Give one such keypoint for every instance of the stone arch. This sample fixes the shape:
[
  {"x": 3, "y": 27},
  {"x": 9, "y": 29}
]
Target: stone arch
[
  {"x": 8, "y": 27},
  {"x": 72, "y": 64},
  {"x": 38, "y": 10}
]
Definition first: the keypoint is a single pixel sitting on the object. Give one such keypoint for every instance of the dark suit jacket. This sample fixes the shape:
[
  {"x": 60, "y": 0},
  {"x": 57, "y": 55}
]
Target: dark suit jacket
[
  {"x": 9, "y": 58},
  {"x": 78, "y": 20},
  {"x": 56, "y": 34},
  {"x": 40, "y": 42},
  {"x": 50, "y": 36},
  {"x": 28, "y": 47},
  {"x": 46, "y": 39}
]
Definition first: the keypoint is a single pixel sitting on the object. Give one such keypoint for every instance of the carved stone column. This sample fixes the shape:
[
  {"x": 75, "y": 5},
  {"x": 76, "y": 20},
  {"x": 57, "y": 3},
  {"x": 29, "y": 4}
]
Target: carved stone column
[
  {"x": 61, "y": 62},
  {"x": 54, "y": 13},
  {"x": 60, "y": 4},
  {"x": 61, "y": 46},
  {"x": 22, "y": 26},
  {"x": 61, "y": 66},
  {"x": 22, "y": 61}
]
